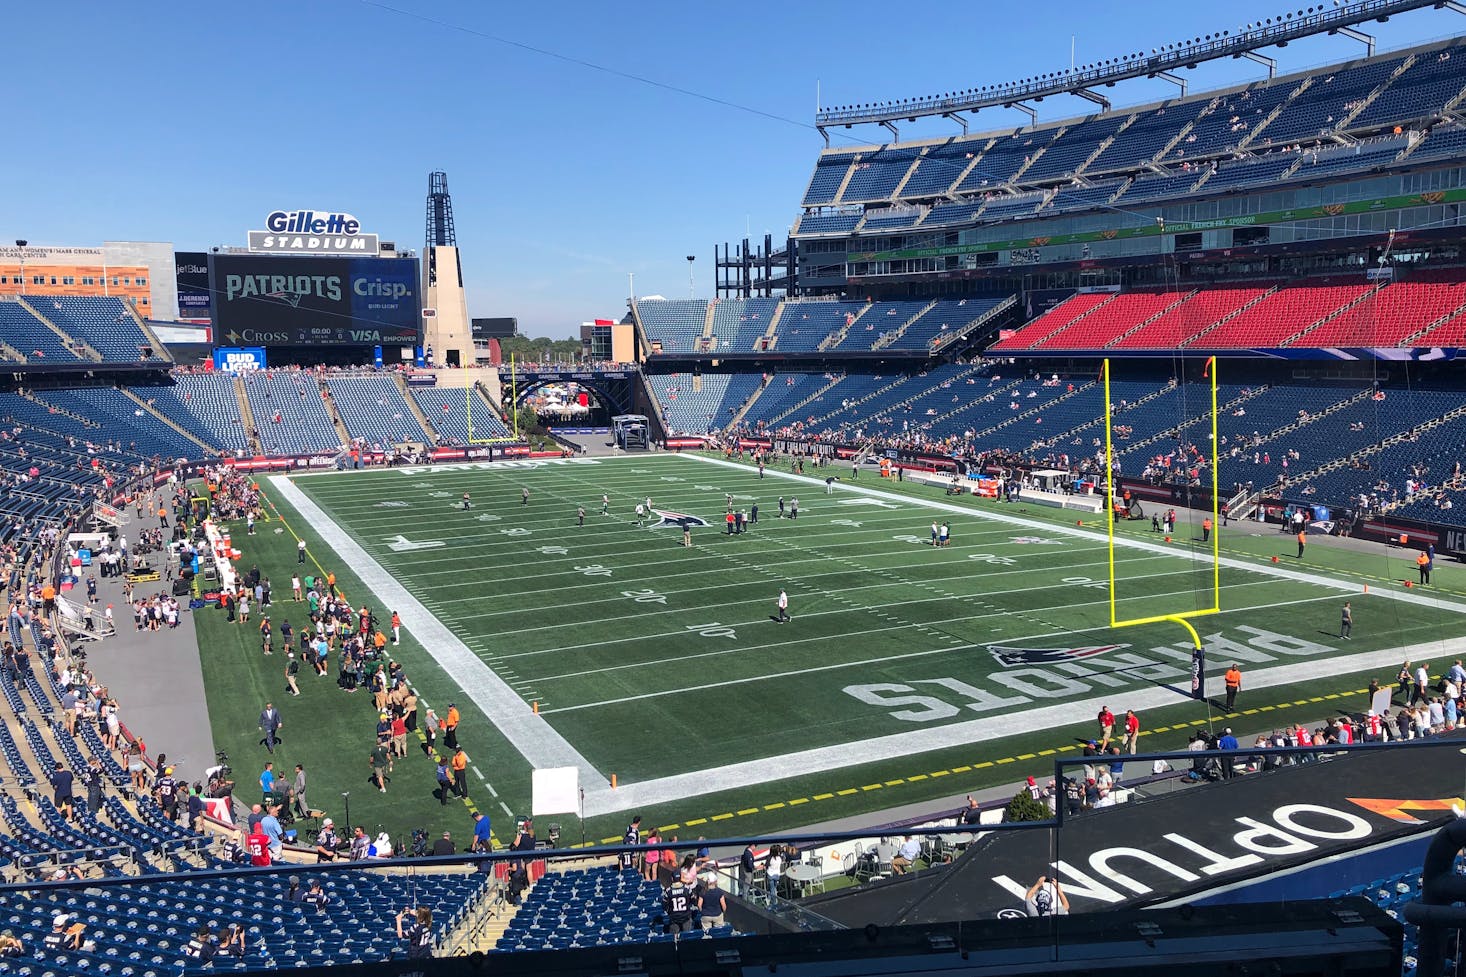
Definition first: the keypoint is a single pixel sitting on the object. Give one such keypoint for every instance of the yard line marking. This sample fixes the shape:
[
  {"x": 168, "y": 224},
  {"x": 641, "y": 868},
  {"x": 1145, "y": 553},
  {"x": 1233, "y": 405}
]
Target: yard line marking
[
  {"x": 538, "y": 742},
  {"x": 506, "y": 810},
  {"x": 1405, "y": 596},
  {"x": 963, "y": 734}
]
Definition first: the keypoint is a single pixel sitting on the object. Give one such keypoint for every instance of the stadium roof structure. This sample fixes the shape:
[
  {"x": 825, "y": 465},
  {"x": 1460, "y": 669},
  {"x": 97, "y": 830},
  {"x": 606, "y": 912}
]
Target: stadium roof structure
[{"x": 1162, "y": 62}]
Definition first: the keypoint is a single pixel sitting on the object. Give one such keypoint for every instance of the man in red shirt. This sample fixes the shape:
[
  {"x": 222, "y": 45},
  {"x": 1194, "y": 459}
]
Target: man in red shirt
[
  {"x": 1132, "y": 730},
  {"x": 257, "y": 844},
  {"x": 1107, "y": 727}
]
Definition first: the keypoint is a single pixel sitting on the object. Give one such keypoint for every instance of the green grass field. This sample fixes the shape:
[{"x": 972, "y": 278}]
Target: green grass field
[{"x": 907, "y": 673}]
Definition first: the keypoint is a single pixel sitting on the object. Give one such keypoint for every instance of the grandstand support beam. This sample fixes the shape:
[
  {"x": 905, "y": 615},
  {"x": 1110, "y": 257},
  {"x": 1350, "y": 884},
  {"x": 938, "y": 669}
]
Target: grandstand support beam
[
  {"x": 1452, "y": 5},
  {"x": 1026, "y": 108},
  {"x": 895, "y": 133},
  {"x": 1176, "y": 80},
  {"x": 824, "y": 135},
  {"x": 957, "y": 119},
  {"x": 1270, "y": 63},
  {"x": 1366, "y": 39},
  {"x": 1094, "y": 97}
]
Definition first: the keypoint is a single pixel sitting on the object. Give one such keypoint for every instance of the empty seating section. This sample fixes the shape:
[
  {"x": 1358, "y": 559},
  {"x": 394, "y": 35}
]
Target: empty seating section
[
  {"x": 1277, "y": 316},
  {"x": 1324, "y": 104},
  {"x": 1422, "y": 91},
  {"x": 1174, "y": 327},
  {"x": 144, "y": 927},
  {"x": 879, "y": 319},
  {"x": 1005, "y": 158},
  {"x": 290, "y": 415},
  {"x": 139, "y": 430},
  {"x": 591, "y": 907},
  {"x": 1011, "y": 208},
  {"x": 372, "y": 408},
  {"x": 700, "y": 405},
  {"x": 674, "y": 323},
  {"x": 1229, "y": 121},
  {"x": 29, "y": 336},
  {"x": 890, "y": 222},
  {"x": 1060, "y": 316},
  {"x": 876, "y": 175},
  {"x": 939, "y": 169},
  {"x": 1349, "y": 159},
  {"x": 829, "y": 173},
  {"x": 868, "y": 404},
  {"x": 740, "y": 323},
  {"x": 1159, "y": 187},
  {"x": 1442, "y": 142},
  {"x": 1067, "y": 153},
  {"x": 1112, "y": 319},
  {"x": 953, "y": 212},
  {"x": 828, "y": 223},
  {"x": 102, "y": 322},
  {"x": 204, "y": 404},
  {"x": 1390, "y": 316},
  {"x": 947, "y": 317},
  {"x": 448, "y": 411},
  {"x": 1144, "y": 138},
  {"x": 804, "y": 325},
  {"x": 1245, "y": 173},
  {"x": 1082, "y": 198},
  {"x": 1437, "y": 455},
  {"x": 1290, "y": 130},
  {"x": 781, "y": 394}
]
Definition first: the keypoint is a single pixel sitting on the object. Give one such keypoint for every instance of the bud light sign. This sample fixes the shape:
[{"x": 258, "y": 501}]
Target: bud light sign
[{"x": 239, "y": 359}]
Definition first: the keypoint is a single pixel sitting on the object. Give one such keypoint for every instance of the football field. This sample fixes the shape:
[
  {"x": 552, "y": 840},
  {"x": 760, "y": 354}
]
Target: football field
[{"x": 906, "y": 671}]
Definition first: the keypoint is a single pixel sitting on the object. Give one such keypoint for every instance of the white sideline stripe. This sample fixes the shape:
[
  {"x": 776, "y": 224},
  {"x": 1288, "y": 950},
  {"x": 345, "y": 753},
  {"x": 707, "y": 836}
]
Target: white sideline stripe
[
  {"x": 975, "y": 731},
  {"x": 527, "y": 732}
]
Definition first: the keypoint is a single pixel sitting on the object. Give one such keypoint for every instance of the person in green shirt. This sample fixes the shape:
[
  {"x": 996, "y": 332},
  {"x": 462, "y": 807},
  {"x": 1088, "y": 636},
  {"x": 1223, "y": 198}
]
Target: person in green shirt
[{"x": 379, "y": 766}]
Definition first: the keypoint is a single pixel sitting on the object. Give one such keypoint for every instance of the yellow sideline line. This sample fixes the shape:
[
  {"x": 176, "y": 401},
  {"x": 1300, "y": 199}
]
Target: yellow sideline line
[{"x": 983, "y": 765}]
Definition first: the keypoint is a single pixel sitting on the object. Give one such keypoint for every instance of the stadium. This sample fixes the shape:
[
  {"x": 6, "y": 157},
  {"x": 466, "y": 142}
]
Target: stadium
[{"x": 1047, "y": 556}]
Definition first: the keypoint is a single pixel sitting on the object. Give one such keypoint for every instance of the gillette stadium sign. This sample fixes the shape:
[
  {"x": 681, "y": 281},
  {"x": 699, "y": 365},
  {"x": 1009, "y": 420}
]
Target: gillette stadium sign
[{"x": 312, "y": 232}]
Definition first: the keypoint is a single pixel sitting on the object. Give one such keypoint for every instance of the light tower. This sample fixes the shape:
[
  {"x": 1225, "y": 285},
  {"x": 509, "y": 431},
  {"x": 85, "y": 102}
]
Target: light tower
[
  {"x": 440, "y": 213},
  {"x": 446, "y": 327}
]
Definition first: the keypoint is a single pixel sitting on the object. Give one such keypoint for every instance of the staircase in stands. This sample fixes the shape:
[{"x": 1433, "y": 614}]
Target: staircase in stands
[
  {"x": 412, "y": 405},
  {"x": 82, "y": 349},
  {"x": 144, "y": 405},
  {"x": 247, "y": 416},
  {"x": 887, "y": 338}
]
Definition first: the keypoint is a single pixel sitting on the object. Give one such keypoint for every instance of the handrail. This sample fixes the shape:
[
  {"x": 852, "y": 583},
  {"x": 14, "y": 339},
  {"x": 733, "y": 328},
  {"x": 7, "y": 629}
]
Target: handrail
[{"x": 1226, "y": 44}]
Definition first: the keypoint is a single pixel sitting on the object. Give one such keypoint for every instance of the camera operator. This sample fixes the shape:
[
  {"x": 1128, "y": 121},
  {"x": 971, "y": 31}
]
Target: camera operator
[{"x": 1046, "y": 898}]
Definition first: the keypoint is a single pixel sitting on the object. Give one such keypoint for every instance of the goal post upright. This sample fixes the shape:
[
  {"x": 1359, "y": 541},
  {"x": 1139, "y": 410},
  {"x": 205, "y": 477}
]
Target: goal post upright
[{"x": 1180, "y": 617}]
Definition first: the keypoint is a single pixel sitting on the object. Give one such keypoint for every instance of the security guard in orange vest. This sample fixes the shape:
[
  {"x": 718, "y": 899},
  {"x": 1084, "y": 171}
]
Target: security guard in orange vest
[{"x": 1233, "y": 680}]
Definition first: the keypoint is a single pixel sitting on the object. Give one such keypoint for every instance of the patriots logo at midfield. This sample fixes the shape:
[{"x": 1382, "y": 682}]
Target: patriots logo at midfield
[
  {"x": 1010, "y": 657},
  {"x": 676, "y": 520}
]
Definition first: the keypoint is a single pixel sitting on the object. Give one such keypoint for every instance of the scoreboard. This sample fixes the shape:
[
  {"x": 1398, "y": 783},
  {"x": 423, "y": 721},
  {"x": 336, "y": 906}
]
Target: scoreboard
[{"x": 279, "y": 300}]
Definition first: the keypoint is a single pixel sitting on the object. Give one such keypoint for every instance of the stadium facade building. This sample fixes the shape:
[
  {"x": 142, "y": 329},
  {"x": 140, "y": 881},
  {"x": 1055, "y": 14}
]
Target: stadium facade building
[{"x": 138, "y": 272}]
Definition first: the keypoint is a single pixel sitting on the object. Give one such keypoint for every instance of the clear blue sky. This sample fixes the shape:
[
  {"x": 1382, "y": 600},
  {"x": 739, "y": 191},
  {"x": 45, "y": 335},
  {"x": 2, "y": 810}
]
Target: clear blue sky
[{"x": 189, "y": 122}]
